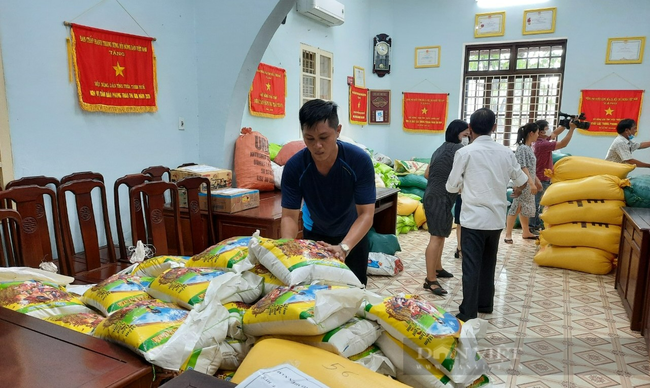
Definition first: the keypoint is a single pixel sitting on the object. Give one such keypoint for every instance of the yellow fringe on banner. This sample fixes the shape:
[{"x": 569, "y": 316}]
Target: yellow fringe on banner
[{"x": 69, "y": 49}]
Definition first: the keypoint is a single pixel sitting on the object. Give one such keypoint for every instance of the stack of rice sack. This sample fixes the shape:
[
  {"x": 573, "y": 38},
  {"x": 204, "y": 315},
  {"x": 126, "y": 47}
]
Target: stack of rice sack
[
  {"x": 638, "y": 193},
  {"x": 410, "y": 213},
  {"x": 411, "y": 176},
  {"x": 583, "y": 214}
]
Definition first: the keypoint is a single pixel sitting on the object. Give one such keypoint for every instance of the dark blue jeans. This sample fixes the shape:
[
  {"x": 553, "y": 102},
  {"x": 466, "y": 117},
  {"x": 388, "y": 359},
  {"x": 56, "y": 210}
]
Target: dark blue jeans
[{"x": 536, "y": 222}]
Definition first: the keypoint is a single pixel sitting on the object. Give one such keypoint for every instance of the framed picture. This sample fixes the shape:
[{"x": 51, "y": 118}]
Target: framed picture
[
  {"x": 625, "y": 50},
  {"x": 428, "y": 56},
  {"x": 489, "y": 24},
  {"x": 359, "y": 77},
  {"x": 539, "y": 21},
  {"x": 379, "y": 106}
]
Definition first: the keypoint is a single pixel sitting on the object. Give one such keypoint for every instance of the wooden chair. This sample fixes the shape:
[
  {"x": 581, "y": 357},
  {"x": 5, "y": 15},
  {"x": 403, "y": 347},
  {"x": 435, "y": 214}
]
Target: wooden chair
[
  {"x": 29, "y": 202},
  {"x": 201, "y": 229},
  {"x": 87, "y": 265},
  {"x": 75, "y": 176},
  {"x": 39, "y": 180},
  {"x": 130, "y": 181},
  {"x": 11, "y": 249},
  {"x": 156, "y": 173},
  {"x": 149, "y": 199}
]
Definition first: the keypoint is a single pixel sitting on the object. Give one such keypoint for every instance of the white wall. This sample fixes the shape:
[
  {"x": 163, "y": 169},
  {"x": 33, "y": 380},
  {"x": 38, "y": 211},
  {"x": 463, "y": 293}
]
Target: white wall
[{"x": 585, "y": 23}]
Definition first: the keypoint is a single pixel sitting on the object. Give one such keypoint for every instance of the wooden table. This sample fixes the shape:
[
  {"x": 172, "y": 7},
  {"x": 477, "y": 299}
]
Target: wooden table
[{"x": 36, "y": 353}]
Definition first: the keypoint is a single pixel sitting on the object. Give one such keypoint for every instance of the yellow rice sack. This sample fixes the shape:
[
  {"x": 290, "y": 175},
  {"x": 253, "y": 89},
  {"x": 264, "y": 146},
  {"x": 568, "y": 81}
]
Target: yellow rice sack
[
  {"x": 205, "y": 360},
  {"x": 39, "y": 299},
  {"x": 156, "y": 265},
  {"x": 374, "y": 359},
  {"x": 584, "y": 259},
  {"x": 577, "y": 167},
  {"x": 231, "y": 253},
  {"x": 114, "y": 293},
  {"x": 81, "y": 322},
  {"x": 419, "y": 216},
  {"x": 296, "y": 261},
  {"x": 432, "y": 331},
  {"x": 346, "y": 340},
  {"x": 236, "y": 312},
  {"x": 302, "y": 310},
  {"x": 584, "y": 234},
  {"x": 330, "y": 369},
  {"x": 406, "y": 205},
  {"x": 593, "y": 187},
  {"x": 15, "y": 274},
  {"x": 188, "y": 286},
  {"x": 167, "y": 335},
  {"x": 588, "y": 210},
  {"x": 271, "y": 282}
]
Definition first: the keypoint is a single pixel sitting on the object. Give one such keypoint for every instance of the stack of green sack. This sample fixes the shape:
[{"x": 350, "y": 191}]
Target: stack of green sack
[
  {"x": 411, "y": 176},
  {"x": 638, "y": 193},
  {"x": 410, "y": 213}
]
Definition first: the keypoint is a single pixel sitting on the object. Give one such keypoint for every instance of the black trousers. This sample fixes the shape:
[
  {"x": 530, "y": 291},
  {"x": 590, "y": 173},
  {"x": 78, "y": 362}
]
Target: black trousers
[
  {"x": 479, "y": 264},
  {"x": 357, "y": 259}
]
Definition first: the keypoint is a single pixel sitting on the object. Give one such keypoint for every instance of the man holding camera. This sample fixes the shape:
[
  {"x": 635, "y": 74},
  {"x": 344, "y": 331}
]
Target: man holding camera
[
  {"x": 622, "y": 147},
  {"x": 543, "y": 148}
]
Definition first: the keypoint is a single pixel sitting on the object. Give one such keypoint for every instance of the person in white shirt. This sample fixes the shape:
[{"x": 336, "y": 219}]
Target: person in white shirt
[
  {"x": 622, "y": 147},
  {"x": 482, "y": 170}
]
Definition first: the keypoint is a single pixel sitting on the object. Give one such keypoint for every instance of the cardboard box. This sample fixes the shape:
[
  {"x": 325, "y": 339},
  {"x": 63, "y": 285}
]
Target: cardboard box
[
  {"x": 219, "y": 178},
  {"x": 228, "y": 200}
]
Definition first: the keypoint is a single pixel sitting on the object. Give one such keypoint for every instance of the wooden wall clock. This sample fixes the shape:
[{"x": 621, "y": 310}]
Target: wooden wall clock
[{"x": 381, "y": 54}]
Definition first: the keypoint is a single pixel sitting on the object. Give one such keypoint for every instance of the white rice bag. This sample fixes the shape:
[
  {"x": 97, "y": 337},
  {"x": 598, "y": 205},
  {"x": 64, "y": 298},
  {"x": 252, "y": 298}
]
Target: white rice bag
[
  {"x": 374, "y": 359},
  {"x": 383, "y": 264}
]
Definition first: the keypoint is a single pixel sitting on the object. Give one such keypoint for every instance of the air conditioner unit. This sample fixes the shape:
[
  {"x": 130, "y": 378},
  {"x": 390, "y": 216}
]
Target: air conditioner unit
[{"x": 329, "y": 12}]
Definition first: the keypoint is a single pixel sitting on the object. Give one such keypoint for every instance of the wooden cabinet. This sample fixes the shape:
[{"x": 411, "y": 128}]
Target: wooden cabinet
[{"x": 632, "y": 270}]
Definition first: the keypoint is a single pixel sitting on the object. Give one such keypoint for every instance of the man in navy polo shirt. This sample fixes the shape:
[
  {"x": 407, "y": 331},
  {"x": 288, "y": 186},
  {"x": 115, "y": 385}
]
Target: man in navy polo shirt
[{"x": 336, "y": 180}]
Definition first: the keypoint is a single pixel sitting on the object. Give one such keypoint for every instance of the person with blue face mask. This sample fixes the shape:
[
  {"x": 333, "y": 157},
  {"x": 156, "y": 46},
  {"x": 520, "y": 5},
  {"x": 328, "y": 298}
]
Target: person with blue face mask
[{"x": 622, "y": 147}]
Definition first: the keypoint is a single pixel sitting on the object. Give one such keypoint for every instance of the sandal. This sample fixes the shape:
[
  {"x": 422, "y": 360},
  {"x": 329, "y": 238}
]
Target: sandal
[
  {"x": 437, "y": 289},
  {"x": 442, "y": 273},
  {"x": 507, "y": 240},
  {"x": 458, "y": 253}
]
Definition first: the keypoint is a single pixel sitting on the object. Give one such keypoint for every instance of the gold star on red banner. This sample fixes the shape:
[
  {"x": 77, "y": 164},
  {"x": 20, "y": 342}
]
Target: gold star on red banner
[
  {"x": 268, "y": 86},
  {"x": 609, "y": 111},
  {"x": 424, "y": 111},
  {"x": 119, "y": 70}
]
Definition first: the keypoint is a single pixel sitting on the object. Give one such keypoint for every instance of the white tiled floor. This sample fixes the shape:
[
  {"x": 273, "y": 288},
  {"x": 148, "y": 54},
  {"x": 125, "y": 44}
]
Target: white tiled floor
[{"x": 550, "y": 328}]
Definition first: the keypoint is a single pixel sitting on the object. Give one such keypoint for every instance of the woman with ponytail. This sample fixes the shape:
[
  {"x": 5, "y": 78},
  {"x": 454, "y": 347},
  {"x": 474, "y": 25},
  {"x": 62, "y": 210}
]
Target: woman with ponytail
[{"x": 524, "y": 204}]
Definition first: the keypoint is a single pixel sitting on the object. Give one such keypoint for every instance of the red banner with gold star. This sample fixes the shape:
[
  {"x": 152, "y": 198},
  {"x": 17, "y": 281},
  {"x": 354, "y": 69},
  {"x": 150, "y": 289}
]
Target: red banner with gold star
[
  {"x": 424, "y": 112},
  {"x": 115, "y": 72},
  {"x": 268, "y": 92},
  {"x": 358, "y": 105},
  {"x": 605, "y": 108}
]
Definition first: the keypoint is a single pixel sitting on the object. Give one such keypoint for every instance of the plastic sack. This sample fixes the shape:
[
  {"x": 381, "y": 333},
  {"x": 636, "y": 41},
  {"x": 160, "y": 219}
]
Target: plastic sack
[
  {"x": 384, "y": 243},
  {"x": 374, "y": 359},
  {"x": 270, "y": 281},
  {"x": 17, "y": 274},
  {"x": 593, "y": 187},
  {"x": 583, "y": 259},
  {"x": 412, "y": 190},
  {"x": 583, "y": 234},
  {"x": 81, "y": 322},
  {"x": 188, "y": 286},
  {"x": 413, "y": 180},
  {"x": 297, "y": 261},
  {"x": 577, "y": 167},
  {"x": 114, "y": 293},
  {"x": 39, "y": 299},
  {"x": 302, "y": 310},
  {"x": 233, "y": 352},
  {"x": 274, "y": 148},
  {"x": 588, "y": 210},
  {"x": 277, "y": 175},
  {"x": 405, "y": 167},
  {"x": 230, "y": 253},
  {"x": 406, "y": 205},
  {"x": 382, "y": 264},
  {"x": 288, "y": 150},
  {"x": 419, "y": 216},
  {"x": 328, "y": 368},
  {"x": 166, "y": 335},
  {"x": 158, "y": 264},
  {"x": 638, "y": 193},
  {"x": 252, "y": 162},
  {"x": 236, "y": 312},
  {"x": 346, "y": 340}
]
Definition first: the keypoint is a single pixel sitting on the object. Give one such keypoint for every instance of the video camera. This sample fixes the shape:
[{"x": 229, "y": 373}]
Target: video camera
[{"x": 578, "y": 120}]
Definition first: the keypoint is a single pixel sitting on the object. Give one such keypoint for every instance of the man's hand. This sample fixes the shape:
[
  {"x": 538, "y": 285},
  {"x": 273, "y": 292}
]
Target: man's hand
[{"x": 335, "y": 250}]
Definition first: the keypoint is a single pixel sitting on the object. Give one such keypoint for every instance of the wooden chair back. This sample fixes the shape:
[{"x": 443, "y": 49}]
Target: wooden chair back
[
  {"x": 157, "y": 172},
  {"x": 149, "y": 198},
  {"x": 130, "y": 181},
  {"x": 11, "y": 249},
  {"x": 39, "y": 180},
  {"x": 30, "y": 203},
  {"x": 201, "y": 229},
  {"x": 88, "y": 259},
  {"x": 76, "y": 176}
]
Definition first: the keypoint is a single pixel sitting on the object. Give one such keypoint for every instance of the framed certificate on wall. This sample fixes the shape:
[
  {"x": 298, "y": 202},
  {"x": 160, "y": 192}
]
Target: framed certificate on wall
[
  {"x": 428, "y": 56},
  {"x": 539, "y": 21},
  {"x": 625, "y": 50},
  {"x": 489, "y": 24},
  {"x": 379, "y": 104},
  {"x": 359, "y": 76}
]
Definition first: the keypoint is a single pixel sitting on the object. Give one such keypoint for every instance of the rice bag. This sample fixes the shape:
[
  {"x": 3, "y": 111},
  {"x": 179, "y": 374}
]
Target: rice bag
[
  {"x": 158, "y": 264},
  {"x": 114, "y": 293},
  {"x": 374, "y": 359},
  {"x": 231, "y": 253},
  {"x": 167, "y": 335},
  {"x": 188, "y": 286},
  {"x": 433, "y": 332},
  {"x": 15, "y": 274},
  {"x": 302, "y": 310},
  {"x": 81, "y": 322},
  {"x": 233, "y": 352},
  {"x": 236, "y": 311},
  {"x": 271, "y": 282},
  {"x": 382, "y": 264},
  {"x": 39, "y": 299},
  {"x": 205, "y": 360},
  {"x": 296, "y": 261}
]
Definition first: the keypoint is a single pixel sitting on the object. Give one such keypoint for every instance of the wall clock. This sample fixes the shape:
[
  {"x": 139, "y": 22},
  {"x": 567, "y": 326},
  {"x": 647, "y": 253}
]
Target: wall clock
[{"x": 381, "y": 54}]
